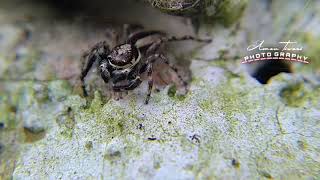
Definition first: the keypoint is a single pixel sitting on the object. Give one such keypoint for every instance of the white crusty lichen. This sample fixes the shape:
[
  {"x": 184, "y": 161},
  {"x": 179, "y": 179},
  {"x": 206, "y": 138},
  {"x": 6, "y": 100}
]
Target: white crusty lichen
[{"x": 227, "y": 126}]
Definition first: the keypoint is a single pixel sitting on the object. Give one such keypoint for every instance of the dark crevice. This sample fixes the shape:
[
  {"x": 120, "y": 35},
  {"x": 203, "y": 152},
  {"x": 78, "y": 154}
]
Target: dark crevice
[
  {"x": 1, "y": 148},
  {"x": 268, "y": 70},
  {"x": 65, "y": 8}
]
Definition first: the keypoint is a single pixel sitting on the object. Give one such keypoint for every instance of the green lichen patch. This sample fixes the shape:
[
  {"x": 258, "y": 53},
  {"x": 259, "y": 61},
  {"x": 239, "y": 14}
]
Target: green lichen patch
[
  {"x": 96, "y": 103},
  {"x": 21, "y": 65},
  {"x": 66, "y": 123},
  {"x": 302, "y": 145},
  {"x": 27, "y": 113},
  {"x": 31, "y": 137},
  {"x": 7, "y": 114},
  {"x": 265, "y": 174},
  {"x": 9, "y": 152},
  {"x": 229, "y": 98},
  {"x": 311, "y": 48},
  {"x": 59, "y": 90},
  {"x": 298, "y": 95},
  {"x": 294, "y": 95},
  {"x": 89, "y": 145},
  {"x": 225, "y": 12},
  {"x": 172, "y": 93}
]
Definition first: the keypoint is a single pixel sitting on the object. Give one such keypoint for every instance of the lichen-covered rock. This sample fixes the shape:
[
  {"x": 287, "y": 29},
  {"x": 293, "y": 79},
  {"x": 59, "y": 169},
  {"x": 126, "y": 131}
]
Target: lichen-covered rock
[
  {"x": 226, "y": 117},
  {"x": 228, "y": 126}
]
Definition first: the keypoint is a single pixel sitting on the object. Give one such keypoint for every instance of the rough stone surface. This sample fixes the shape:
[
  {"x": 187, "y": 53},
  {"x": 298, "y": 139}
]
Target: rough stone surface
[
  {"x": 225, "y": 117},
  {"x": 229, "y": 126}
]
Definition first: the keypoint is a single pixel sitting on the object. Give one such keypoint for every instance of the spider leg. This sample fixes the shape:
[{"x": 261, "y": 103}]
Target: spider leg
[
  {"x": 134, "y": 37},
  {"x": 116, "y": 95},
  {"x": 132, "y": 84},
  {"x": 150, "y": 82},
  {"x": 150, "y": 60},
  {"x": 187, "y": 37},
  {"x": 152, "y": 49},
  {"x": 105, "y": 75},
  {"x": 88, "y": 59},
  {"x": 128, "y": 29},
  {"x": 165, "y": 60}
]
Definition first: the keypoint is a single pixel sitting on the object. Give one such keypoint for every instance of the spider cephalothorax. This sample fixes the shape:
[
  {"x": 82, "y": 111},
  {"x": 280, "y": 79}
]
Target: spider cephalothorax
[
  {"x": 124, "y": 56},
  {"x": 124, "y": 64}
]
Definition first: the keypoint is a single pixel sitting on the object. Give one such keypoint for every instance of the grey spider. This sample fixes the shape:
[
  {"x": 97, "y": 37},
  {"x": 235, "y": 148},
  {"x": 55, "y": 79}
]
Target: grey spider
[{"x": 124, "y": 64}]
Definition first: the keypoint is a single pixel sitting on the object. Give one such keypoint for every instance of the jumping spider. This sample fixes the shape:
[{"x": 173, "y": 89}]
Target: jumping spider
[{"x": 124, "y": 64}]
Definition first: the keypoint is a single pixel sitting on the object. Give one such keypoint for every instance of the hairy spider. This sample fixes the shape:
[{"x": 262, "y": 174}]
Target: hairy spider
[{"x": 124, "y": 64}]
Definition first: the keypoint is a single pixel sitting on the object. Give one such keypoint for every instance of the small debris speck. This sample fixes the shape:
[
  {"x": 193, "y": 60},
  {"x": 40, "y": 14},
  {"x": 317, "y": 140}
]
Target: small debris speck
[
  {"x": 265, "y": 174},
  {"x": 140, "y": 126},
  {"x": 88, "y": 145},
  {"x": 235, "y": 163},
  {"x": 152, "y": 138},
  {"x": 195, "y": 138}
]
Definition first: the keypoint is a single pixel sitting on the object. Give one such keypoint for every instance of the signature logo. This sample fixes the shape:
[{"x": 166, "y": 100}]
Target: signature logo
[{"x": 286, "y": 50}]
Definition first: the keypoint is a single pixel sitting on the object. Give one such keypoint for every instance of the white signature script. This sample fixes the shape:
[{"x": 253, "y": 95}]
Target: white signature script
[{"x": 287, "y": 46}]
